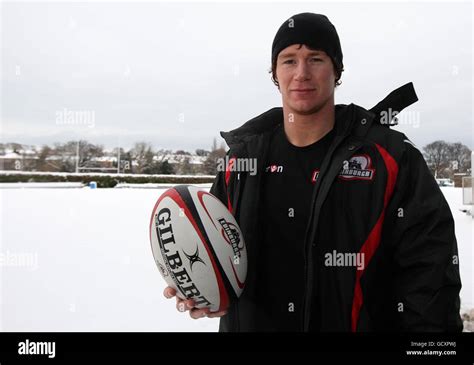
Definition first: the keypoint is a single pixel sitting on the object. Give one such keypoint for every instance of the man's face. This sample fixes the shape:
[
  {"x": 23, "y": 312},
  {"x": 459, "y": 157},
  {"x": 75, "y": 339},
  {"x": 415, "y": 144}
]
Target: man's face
[{"x": 306, "y": 78}]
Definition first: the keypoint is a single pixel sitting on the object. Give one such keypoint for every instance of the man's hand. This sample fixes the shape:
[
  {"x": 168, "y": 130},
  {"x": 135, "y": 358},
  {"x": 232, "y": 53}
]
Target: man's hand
[{"x": 185, "y": 305}]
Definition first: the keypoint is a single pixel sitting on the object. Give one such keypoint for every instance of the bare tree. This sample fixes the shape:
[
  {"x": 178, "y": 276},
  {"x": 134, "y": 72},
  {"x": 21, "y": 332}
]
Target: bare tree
[
  {"x": 16, "y": 147},
  {"x": 89, "y": 151},
  {"x": 210, "y": 165},
  {"x": 436, "y": 155},
  {"x": 44, "y": 153},
  {"x": 201, "y": 152},
  {"x": 70, "y": 151},
  {"x": 186, "y": 167},
  {"x": 142, "y": 153},
  {"x": 461, "y": 154}
]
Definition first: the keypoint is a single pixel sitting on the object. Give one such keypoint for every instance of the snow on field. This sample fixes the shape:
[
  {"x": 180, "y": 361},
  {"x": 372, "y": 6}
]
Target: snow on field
[
  {"x": 42, "y": 185},
  {"x": 464, "y": 226},
  {"x": 80, "y": 260},
  {"x": 87, "y": 263}
]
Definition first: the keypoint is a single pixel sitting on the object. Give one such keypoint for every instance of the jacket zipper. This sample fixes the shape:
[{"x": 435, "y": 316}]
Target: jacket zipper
[
  {"x": 311, "y": 231},
  {"x": 239, "y": 188}
]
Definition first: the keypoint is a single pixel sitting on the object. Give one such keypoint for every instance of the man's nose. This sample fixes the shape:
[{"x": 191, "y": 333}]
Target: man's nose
[{"x": 302, "y": 72}]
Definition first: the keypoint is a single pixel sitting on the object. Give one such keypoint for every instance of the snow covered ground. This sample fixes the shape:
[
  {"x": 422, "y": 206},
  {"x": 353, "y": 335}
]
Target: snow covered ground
[
  {"x": 464, "y": 226},
  {"x": 80, "y": 260},
  {"x": 86, "y": 263}
]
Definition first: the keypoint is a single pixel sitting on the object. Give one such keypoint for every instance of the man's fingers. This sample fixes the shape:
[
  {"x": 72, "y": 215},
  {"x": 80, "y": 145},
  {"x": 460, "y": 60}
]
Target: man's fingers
[
  {"x": 184, "y": 305},
  {"x": 217, "y": 314},
  {"x": 189, "y": 303},
  {"x": 205, "y": 312},
  {"x": 169, "y": 292},
  {"x": 198, "y": 313},
  {"x": 181, "y": 306}
]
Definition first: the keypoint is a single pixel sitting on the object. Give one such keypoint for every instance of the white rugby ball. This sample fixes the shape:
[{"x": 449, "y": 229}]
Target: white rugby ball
[{"x": 198, "y": 247}]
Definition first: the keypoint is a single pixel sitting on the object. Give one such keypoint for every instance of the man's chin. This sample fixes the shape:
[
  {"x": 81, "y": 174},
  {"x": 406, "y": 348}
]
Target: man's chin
[{"x": 307, "y": 109}]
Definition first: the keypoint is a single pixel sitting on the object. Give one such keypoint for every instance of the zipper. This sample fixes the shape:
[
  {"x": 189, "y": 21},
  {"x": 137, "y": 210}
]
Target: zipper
[
  {"x": 312, "y": 227},
  {"x": 239, "y": 186}
]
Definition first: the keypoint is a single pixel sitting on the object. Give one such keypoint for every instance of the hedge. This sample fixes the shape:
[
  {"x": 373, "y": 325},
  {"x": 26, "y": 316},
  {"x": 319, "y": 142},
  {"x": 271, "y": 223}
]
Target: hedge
[{"x": 106, "y": 181}]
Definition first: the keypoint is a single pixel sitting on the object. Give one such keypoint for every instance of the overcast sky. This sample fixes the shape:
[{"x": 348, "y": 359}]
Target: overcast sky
[{"x": 175, "y": 74}]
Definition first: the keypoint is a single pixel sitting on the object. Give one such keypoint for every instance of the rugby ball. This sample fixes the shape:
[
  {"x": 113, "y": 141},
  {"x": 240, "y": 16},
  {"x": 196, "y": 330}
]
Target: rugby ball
[{"x": 198, "y": 247}]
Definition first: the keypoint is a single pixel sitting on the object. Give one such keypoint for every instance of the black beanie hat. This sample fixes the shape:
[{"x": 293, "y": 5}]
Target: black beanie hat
[{"x": 313, "y": 30}]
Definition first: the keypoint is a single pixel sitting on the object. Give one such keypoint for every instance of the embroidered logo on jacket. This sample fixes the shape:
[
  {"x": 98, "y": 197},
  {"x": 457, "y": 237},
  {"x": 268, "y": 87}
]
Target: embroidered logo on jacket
[{"x": 358, "y": 167}]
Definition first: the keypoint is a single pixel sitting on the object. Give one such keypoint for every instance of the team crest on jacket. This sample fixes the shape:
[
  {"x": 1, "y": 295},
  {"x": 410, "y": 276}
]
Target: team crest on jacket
[{"x": 358, "y": 167}]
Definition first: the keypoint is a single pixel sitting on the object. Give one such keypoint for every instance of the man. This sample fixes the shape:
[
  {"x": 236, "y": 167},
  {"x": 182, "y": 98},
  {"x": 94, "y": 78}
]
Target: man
[{"x": 346, "y": 229}]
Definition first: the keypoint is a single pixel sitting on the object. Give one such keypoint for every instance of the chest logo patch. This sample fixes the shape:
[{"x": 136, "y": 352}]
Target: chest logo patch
[
  {"x": 358, "y": 167},
  {"x": 274, "y": 168}
]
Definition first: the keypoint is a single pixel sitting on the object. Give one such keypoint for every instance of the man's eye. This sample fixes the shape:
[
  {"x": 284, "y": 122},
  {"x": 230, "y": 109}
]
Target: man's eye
[
  {"x": 316, "y": 59},
  {"x": 288, "y": 62}
]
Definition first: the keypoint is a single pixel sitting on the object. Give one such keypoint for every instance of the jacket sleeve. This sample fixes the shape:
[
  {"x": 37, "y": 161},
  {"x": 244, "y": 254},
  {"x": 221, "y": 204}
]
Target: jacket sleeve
[
  {"x": 222, "y": 186},
  {"x": 427, "y": 280},
  {"x": 219, "y": 188}
]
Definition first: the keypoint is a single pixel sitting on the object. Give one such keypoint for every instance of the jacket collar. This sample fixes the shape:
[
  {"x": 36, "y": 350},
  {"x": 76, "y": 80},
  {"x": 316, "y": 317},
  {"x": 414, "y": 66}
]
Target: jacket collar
[
  {"x": 346, "y": 117},
  {"x": 350, "y": 119}
]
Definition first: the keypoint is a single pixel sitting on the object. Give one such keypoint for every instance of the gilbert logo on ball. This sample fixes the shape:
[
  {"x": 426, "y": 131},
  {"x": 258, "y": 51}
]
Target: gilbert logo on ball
[{"x": 198, "y": 247}]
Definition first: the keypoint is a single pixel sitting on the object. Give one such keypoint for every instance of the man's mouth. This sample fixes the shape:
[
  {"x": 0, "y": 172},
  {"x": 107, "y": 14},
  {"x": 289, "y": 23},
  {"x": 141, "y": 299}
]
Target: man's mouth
[{"x": 303, "y": 91}]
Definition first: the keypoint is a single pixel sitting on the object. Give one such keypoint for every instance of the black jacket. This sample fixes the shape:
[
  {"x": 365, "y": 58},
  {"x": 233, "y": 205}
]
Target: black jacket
[{"x": 374, "y": 196}]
